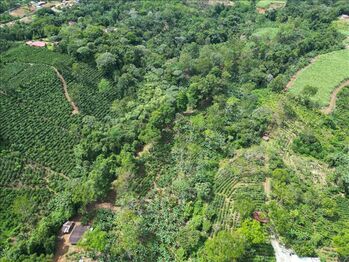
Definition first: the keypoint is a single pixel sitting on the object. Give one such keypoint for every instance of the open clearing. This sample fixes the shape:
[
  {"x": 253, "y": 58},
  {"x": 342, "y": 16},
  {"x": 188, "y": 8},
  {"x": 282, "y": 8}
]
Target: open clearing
[
  {"x": 19, "y": 12},
  {"x": 327, "y": 72},
  {"x": 266, "y": 32},
  {"x": 271, "y": 3}
]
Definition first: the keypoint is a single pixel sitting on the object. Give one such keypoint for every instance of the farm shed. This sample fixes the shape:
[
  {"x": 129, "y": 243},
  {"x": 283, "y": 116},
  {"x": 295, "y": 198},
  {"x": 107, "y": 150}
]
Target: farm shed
[
  {"x": 77, "y": 233},
  {"x": 67, "y": 227},
  {"x": 36, "y": 43}
]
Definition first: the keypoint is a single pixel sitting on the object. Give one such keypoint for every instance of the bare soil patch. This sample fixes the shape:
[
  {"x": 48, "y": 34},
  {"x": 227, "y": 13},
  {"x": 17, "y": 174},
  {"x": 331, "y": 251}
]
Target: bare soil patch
[
  {"x": 329, "y": 109},
  {"x": 267, "y": 187},
  {"x": 63, "y": 245},
  {"x": 19, "y": 12},
  {"x": 66, "y": 94}
]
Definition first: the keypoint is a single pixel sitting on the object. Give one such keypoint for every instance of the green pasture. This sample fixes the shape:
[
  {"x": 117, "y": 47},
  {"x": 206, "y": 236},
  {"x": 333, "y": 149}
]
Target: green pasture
[
  {"x": 267, "y": 3},
  {"x": 326, "y": 73},
  {"x": 266, "y": 32}
]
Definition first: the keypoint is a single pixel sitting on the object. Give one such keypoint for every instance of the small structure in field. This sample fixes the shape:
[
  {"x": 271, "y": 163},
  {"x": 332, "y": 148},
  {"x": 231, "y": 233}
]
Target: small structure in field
[
  {"x": 258, "y": 215},
  {"x": 77, "y": 233},
  {"x": 266, "y": 137},
  {"x": 344, "y": 17},
  {"x": 36, "y": 43},
  {"x": 67, "y": 227}
]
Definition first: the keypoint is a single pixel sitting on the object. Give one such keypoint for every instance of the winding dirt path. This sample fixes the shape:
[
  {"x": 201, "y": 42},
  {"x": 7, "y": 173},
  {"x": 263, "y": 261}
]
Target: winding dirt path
[
  {"x": 66, "y": 94},
  {"x": 295, "y": 76},
  {"x": 329, "y": 109}
]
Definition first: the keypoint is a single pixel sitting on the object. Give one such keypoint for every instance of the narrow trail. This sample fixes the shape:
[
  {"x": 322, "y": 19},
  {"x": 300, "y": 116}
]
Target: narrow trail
[
  {"x": 295, "y": 76},
  {"x": 66, "y": 94},
  {"x": 267, "y": 187},
  {"x": 329, "y": 109}
]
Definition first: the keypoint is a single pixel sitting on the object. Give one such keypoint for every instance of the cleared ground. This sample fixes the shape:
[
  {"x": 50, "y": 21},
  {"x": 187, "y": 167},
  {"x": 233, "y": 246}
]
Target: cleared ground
[
  {"x": 326, "y": 73},
  {"x": 270, "y": 3},
  {"x": 266, "y": 32}
]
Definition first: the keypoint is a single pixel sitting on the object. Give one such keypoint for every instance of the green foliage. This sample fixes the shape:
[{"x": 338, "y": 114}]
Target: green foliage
[
  {"x": 128, "y": 232},
  {"x": 253, "y": 232},
  {"x": 106, "y": 62},
  {"x": 224, "y": 247},
  {"x": 94, "y": 240},
  {"x": 325, "y": 74},
  {"x": 308, "y": 144},
  {"x": 341, "y": 242},
  {"x": 174, "y": 101}
]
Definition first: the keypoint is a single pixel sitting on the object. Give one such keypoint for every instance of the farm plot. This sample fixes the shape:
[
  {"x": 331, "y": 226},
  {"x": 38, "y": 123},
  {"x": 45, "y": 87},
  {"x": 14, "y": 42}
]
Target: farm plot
[
  {"x": 36, "y": 118},
  {"x": 326, "y": 73},
  {"x": 82, "y": 82},
  {"x": 235, "y": 183},
  {"x": 24, "y": 186}
]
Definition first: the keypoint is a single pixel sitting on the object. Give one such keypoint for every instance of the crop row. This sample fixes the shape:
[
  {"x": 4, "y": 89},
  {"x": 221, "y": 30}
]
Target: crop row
[{"x": 36, "y": 119}]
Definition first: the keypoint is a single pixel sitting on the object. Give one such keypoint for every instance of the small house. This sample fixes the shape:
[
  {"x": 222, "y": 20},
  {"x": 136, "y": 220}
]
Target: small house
[
  {"x": 67, "y": 227},
  {"x": 77, "y": 233}
]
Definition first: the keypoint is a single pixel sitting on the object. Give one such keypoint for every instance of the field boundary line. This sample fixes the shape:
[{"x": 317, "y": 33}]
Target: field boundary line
[
  {"x": 295, "y": 76},
  {"x": 329, "y": 109},
  {"x": 66, "y": 94}
]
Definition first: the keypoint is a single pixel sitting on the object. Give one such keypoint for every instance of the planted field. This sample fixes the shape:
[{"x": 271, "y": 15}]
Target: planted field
[
  {"x": 36, "y": 118},
  {"x": 326, "y": 73},
  {"x": 236, "y": 183},
  {"x": 81, "y": 82},
  {"x": 37, "y": 133}
]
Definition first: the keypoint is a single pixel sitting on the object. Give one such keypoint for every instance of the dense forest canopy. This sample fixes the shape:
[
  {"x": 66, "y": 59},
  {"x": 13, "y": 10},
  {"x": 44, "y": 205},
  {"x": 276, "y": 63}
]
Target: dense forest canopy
[{"x": 184, "y": 144}]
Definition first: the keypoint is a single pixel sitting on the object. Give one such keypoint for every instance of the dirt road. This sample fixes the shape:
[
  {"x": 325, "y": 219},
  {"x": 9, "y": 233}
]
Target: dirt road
[
  {"x": 329, "y": 109},
  {"x": 66, "y": 94}
]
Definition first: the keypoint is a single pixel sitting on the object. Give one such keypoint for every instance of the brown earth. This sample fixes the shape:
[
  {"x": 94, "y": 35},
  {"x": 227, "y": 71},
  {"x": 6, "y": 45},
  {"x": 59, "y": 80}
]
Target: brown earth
[
  {"x": 267, "y": 187},
  {"x": 66, "y": 94},
  {"x": 329, "y": 109},
  {"x": 63, "y": 246},
  {"x": 19, "y": 12}
]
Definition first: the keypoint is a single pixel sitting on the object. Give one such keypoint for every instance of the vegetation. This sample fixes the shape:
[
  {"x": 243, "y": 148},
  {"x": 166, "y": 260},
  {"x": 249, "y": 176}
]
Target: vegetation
[
  {"x": 183, "y": 133},
  {"x": 342, "y": 26},
  {"x": 268, "y": 3},
  {"x": 325, "y": 74}
]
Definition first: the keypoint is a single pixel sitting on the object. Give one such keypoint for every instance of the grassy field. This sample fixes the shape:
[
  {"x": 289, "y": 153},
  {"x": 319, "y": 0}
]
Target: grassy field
[
  {"x": 266, "y": 32},
  {"x": 342, "y": 26},
  {"x": 326, "y": 73},
  {"x": 268, "y": 3}
]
